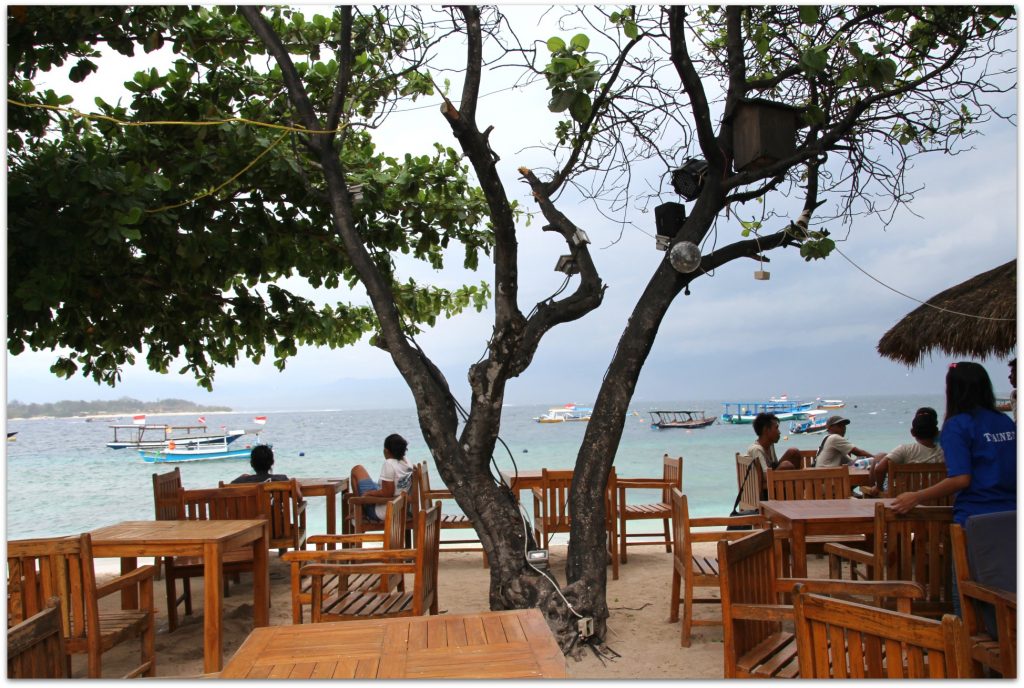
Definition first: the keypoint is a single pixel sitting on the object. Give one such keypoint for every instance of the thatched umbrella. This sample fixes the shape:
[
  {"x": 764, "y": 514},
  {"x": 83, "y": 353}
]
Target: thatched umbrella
[{"x": 974, "y": 319}]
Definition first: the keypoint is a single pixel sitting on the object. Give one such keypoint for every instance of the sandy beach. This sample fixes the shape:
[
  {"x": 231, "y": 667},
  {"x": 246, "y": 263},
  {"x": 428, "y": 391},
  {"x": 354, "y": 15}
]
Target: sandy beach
[{"x": 639, "y": 629}]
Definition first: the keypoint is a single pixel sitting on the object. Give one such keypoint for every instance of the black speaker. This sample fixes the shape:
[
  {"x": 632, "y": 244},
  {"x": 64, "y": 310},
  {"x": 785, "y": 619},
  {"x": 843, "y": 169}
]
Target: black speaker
[{"x": 669, "y": 217}]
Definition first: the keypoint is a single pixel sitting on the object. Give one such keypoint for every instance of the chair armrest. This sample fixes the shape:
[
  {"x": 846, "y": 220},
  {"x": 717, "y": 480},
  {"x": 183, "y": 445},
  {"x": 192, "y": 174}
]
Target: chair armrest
[
  {"x": 439, "y": 494},
  {"x": 135, "y": 577},
  {"x": 986, "y": 593},
  {"x": 643, "y": 484},
  {"x": 761, "y": 612},
  {"x": 368, "y": 499},
  {"x": 899, "y": 589},
  {"x": 834, "y": 549},
  {"x": 351, "y": 555},
  {"x": 719, "y": 521},
  {"x": 356, "y": 569}
]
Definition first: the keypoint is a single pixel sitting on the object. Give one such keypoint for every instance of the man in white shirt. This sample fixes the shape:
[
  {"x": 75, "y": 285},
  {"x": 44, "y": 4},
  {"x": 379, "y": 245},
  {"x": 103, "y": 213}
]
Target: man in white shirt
[
  {"x": 835, "y": 450},
  {"x": 766, "y": 426}
]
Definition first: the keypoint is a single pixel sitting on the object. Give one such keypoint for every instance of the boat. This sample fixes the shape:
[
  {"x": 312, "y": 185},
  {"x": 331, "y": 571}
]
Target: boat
[
  {"x": 12, "y": 436},
  {"x": 1004, "y": 404},
  {"x": 745, "y": 411},
  {"x": 194, "y": 451},
  {"x": 680, "y": 419},
  {"x": 830, "y": 403},
  {"x": 566, "y": 414},
  {"x": 158, "y": 436},
  {"x": 815, "y": 422}
]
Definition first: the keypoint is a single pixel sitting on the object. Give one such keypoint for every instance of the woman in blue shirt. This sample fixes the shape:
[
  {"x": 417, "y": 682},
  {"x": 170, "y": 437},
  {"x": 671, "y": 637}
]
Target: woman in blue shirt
[{"x": 980, "y": 445}]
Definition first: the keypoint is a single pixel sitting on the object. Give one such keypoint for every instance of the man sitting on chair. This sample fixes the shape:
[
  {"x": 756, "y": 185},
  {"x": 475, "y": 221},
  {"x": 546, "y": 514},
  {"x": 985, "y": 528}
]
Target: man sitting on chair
[
  {"x": 835, "y": 449},
  {"x": 766, "y": 427},
  {"x": 262, "y": 460}
]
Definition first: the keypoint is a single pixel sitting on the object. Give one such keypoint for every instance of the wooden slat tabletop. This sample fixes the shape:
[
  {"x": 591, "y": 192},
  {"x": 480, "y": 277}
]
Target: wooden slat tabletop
[
  {"x": 822, "y": 510},
  {"x": 507, "y": 644}
]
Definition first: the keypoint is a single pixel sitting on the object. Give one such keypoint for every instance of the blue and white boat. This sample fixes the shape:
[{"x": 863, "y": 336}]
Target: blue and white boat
[
  {"x": 814, "y": 423},
  {"x": 745, "y": 411},
  {"x": 178, "y": 452},
  {"x": 161, "y": 436}
]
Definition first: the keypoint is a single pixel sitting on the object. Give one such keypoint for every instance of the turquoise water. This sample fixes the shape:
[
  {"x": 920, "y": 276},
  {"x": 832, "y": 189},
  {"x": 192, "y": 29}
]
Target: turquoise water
[{"x": 62, "y": 479}]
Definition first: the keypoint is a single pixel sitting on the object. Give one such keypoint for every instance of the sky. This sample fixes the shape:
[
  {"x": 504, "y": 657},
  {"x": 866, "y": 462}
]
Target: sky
[{"x": 809, "y": 331}]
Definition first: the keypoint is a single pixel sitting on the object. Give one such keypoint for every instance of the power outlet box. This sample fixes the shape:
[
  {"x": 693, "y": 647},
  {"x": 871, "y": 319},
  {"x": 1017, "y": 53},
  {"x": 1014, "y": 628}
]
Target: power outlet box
[
  {"x": 586, "y": 627},
  {"x": 537, "y": 557}
]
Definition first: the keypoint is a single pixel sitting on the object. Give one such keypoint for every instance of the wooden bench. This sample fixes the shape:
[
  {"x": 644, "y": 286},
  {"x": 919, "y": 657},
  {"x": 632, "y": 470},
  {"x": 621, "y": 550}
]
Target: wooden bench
[
  {"x": 41, "y": 568},
  {"x": 841, "y": 639},
  {"x": 911, "y": 547},
  {"x": 996, "y": 653},
  {"x": 35, "y": 647},
  {"x": 392, "y": 537},
  {"x": 755, "y": 642},
  {"x": 420, "y": 562}
]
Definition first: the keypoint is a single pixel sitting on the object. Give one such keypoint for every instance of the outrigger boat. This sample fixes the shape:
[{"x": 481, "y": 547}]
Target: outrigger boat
[
  {"x": 680, "y": 419},
  {"x": 746, "y": 411},
  {"x": 160, "y": 436},
  {"x": 194, "y": 451},
  {"x": 830, "y": 403},
  {"x": 566, "y": 414},
  {"x": 815, "y": 423}
]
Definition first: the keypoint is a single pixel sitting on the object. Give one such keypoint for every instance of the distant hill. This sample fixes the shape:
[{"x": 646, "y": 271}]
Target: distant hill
[{"x": 122, "y": 406}]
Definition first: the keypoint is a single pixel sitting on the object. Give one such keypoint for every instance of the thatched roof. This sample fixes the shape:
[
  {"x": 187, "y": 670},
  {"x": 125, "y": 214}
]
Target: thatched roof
[{"x": 978, "y": 319}]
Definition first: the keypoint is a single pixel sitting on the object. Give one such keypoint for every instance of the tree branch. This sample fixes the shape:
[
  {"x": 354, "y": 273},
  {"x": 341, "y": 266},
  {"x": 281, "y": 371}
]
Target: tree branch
[
  {"x": 344, "y": 56},
  {"x": 694, "y": 88}
]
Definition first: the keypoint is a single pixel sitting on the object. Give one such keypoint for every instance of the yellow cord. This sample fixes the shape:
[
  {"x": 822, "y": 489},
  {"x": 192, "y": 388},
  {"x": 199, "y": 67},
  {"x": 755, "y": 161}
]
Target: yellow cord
[
  {"x": 233, "y": 178},
  {"x": 209, "y": 123}
]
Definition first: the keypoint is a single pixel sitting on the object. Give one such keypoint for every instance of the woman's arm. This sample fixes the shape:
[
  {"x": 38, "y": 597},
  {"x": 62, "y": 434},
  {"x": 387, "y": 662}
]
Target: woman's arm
[{"x": 908, "y": 500}]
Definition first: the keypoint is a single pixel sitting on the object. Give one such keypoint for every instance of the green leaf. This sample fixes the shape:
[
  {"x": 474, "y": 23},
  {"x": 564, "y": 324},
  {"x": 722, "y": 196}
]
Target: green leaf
[
  {"x": 581, "y": 107},
  {"x": 556, "y": 44},
  {"x": 580, "y": 42},
  {"x": 129, "y": 233},
  {"x": 561, "y": 101},
  {"x": 809, "y": 15},
  {"x": 630, "y": 29}
]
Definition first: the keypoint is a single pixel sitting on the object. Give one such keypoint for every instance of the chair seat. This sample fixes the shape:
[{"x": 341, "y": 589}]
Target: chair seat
[
  {"x": 115, "y": 626},
  {"x": 359, "y": 603},
  {"x": 455, "y": 521},
  {"x": 658, "y": 510},
  {"x": 773, "y": 657},
  {"x": 705, "y": 566},
  {"x": 984, "y": 649}
]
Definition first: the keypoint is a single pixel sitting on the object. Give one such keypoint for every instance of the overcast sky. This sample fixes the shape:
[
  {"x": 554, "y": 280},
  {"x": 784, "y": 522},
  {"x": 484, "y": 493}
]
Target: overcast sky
[{"x": 809, "y": 331}]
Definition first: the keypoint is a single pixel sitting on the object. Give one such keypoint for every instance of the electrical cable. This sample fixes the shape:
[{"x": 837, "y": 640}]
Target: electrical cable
[
  {"x": 923, "y": 303},
  {"x": 526, "y": 539}
]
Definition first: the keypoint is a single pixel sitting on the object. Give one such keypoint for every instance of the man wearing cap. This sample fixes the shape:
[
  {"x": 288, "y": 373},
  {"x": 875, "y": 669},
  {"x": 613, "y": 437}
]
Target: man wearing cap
[{"x": 835, "y": 450}]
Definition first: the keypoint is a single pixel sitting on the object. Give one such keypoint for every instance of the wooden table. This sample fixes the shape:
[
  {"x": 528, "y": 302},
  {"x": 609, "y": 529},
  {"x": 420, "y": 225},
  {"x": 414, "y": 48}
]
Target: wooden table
[
  {"x": 329, "y": 488},
  {"x": 799, "y": 518},
  {"x": 207, "y": 539},
  {"x": 525, "y": 480},
  {"x": 859, "y": 476},
  {"x": 508, "y": 644}
]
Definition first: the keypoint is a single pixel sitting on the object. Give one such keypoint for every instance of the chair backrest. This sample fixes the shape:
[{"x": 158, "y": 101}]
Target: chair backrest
[
  {"x": 809, "y": 483},
  {"x": 807, "y": 457},
  {"x": 671, "y": 471},
  {"x": 915, "y": 547},
  {"x": 556, "y": 486},
  {"x": 840, "y": 639},
  {"x": 749, "y": 484},
  {"x": 746, "y": 575},
  {"x": 681, "y": 548},
  {"x": 39, "y": 569},
  {"x": 280, "y": 503},
  {"x": 428, "y": 546},
  {"x": 166, "y": 500},
  {"x": 35, "y": 647},
  {"x": 419, "y": 489},
  {"x": 912, "y": 477},
  {"x": 227, "y": 502}
]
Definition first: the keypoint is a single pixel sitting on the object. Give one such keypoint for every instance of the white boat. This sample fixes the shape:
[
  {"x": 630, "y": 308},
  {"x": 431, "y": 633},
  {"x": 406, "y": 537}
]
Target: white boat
[
  {"x": 815, "y": 422},
  {"x": 161, "y": 436},
  {"x": 194, "y": 451},
  {"x": 566, "y": 414},
  {"x": 830, "y": 403}
]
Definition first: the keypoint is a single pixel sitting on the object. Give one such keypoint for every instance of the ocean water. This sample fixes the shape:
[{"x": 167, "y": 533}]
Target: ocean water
[{"x": 62, "y": 479}]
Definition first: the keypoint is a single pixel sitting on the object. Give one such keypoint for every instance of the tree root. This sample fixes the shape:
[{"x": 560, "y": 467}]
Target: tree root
[{"x": 602, "y": 651}]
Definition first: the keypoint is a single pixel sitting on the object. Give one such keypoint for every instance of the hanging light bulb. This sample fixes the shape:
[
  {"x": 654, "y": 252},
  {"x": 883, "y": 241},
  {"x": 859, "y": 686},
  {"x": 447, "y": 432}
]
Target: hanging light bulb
[{"x": 685, "y": 256}]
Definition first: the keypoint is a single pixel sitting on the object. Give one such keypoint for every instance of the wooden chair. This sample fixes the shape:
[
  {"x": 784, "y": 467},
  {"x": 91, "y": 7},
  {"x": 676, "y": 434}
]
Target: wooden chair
[
  {"x": 691, "y": 571},
  {"x": 807, "y": 457},
  {"x": 671, "y": 476},
  {"x": 551, "y": 506},
  {"x": 809, "y": 483},
  {"x": 448, "y": 521},
  {"x": 35, "y": 647},
  {"x": 755, "y": 642},
  {"x": 912, "y": 477},
  {"x": 910, "y": 547},
  {"x": 420, "y": 562},
  {"x": 998, "y": 652},
  {"x": 392, "y": 537},
  {"x": 40, "y": 568},
  {"x": 749, "y": 482},
  {"x": 209, "y": 504},
  {"x": 357, "y": 521},
  {"x": 841, "y": 639},
  {"x": 282, "y": 504},
  {"x": 166, "y": 504}
]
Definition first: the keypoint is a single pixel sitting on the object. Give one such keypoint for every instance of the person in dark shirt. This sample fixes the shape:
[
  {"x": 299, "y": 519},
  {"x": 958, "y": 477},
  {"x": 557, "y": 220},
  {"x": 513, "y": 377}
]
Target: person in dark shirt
[{"x": 262, "y": 460}]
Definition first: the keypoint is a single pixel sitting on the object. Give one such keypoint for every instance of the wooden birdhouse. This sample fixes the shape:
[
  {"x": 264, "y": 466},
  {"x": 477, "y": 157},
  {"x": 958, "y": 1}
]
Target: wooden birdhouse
[{"x": 763, "y": 133}]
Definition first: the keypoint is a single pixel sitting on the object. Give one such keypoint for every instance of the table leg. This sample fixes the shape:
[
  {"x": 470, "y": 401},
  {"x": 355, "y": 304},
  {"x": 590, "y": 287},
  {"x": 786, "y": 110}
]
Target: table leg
[
  {"x": 213, "y": 607},
  {"x": 799, "y": 546},
  {"x": 129, "y": 596},
  {"x": 332, "y": 515},
  {"x": 261, "y": 579}
]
